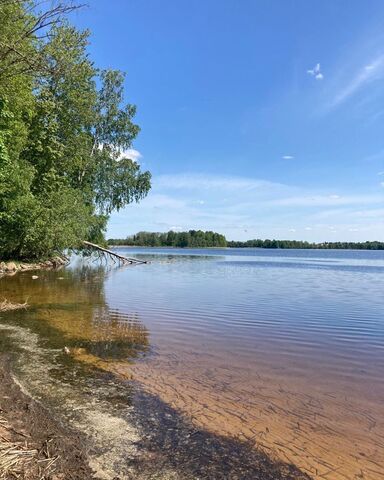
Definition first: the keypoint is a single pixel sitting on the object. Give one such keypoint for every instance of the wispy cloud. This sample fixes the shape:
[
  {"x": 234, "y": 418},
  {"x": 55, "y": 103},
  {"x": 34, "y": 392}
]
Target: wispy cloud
[
  {"x": 375, "y": 156},
  {"x": 244, "y": 208},
  {"x": 370, "y": 213},
  {"x": 287, "y": 157},
  {"x": 315, "y": 72},
  {"x": 191, "y": 181},
  {"x": 364, "y": 76},
  {"x": 162, "y": 200},
  {"x": 327, "y": 200}
]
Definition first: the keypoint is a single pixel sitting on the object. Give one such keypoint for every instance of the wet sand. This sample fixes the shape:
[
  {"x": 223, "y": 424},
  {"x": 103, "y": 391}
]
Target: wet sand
[
  {"x": 327, "y": 434},
  {"x": 166, "y": 446}
]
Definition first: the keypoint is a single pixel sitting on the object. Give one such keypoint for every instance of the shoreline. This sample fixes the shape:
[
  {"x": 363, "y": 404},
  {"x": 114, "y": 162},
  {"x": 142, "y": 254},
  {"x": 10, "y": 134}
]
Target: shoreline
[
  {"x": 10, "y": 267},
  {"x": 41, "y": 447},
  {"x": 168, "y": 446},
  {"x": 76, "y": 371},
  {"x": 250, "y": 248}
]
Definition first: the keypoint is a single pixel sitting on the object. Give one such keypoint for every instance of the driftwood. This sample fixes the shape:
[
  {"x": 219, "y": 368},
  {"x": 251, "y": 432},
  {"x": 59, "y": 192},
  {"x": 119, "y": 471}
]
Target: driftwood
[
  {"x": 5, "y": 306},
  {"x": 113, "y": 255}
]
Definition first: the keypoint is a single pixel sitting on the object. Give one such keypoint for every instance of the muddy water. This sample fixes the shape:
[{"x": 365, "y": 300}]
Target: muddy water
[{"x": 281, "y": 349}]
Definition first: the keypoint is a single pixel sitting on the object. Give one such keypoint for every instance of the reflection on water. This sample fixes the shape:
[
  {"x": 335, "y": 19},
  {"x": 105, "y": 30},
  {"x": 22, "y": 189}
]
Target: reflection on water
[
  {"x": 66, "y": 341},
  {"x": 281, "y": 348},
  {"x": 318, "y": 265},
  {"x": 69, "y": 309}
]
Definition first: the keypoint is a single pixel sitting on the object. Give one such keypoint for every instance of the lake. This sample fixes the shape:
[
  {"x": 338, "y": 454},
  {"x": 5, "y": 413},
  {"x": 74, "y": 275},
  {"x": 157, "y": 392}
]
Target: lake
[{"x": 283, "y": 349}]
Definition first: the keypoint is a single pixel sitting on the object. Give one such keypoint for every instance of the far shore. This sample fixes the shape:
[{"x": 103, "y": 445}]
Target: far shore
[{"x": 245, "y": 248}]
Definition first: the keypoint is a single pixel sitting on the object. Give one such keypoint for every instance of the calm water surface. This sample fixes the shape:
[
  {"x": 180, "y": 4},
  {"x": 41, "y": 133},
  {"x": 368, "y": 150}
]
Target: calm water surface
[{"x": 284, "y": 348}]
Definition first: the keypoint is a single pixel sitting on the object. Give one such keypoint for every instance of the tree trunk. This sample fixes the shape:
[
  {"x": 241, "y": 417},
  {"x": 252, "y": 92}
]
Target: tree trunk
[{"x": 120, "y": 258}]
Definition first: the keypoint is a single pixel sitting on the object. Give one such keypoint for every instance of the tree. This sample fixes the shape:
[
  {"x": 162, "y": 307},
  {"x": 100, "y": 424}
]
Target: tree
[
  {"x": 192, "y": 238},
  {"x": 64, "y": 131},
  {"x": 24, "y": 28}
]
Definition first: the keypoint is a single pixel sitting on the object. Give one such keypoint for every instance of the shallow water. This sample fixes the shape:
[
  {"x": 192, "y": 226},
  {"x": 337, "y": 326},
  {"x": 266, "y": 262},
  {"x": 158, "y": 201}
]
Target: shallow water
[{"x": 283, "y": 348}]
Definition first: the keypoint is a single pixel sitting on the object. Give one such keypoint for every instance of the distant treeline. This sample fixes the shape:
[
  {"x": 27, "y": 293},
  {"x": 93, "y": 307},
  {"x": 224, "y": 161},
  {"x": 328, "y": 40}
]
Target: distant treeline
[
  {"x": 193, "y": 238},
  {"x": 303, "y": 245},
  {"x": 198, "y": 239}
]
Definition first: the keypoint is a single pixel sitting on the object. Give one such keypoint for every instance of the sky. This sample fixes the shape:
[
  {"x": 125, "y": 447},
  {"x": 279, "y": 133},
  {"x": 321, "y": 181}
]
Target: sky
[{"x": 259, "y": 118}]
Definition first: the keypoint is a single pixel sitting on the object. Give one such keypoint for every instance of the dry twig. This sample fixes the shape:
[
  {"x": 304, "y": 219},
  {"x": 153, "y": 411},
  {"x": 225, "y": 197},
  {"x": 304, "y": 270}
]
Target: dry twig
[{"x": 6, "y": 305}]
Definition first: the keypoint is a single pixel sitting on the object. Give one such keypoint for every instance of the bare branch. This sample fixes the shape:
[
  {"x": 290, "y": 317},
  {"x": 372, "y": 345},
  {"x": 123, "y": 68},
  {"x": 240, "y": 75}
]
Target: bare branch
[{"x": 38, "y": 27}]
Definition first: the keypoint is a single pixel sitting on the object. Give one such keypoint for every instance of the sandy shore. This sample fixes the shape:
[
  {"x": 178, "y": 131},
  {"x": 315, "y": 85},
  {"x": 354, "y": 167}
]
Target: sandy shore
[
  {"x": 169, "y": 448},
  {"x": 33, "y": 444},
  {"x": 91, "y": 422}
]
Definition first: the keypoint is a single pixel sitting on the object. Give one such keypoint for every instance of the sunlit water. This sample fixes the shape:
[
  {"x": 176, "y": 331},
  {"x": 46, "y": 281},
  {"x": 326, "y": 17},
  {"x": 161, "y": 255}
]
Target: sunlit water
[{"x": 284, "y": 348}]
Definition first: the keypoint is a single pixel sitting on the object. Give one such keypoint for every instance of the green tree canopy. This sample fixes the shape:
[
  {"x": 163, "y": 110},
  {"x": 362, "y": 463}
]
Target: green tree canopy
[
  {"x": 191, "y": 239},
  {"x": 64, "y": 133}
]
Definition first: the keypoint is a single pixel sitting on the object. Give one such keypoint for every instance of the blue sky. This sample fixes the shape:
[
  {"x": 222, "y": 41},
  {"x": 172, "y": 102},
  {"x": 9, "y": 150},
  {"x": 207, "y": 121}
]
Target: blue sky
[{"x": 260, "y": 118}]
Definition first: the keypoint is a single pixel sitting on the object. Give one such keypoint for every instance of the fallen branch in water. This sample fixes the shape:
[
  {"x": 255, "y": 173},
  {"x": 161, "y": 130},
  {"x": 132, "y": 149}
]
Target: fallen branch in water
[
  {"x": 6, "y": 305},
  {"x": 113, "y": 255}
]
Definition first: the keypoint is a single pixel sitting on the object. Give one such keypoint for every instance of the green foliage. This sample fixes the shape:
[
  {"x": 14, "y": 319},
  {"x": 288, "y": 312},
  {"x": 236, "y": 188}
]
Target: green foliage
[
  {"x": 61, "y": 219},
  {"x": 200, "y": 239},
  {"x": 15, "y": 86},
  {"x": 191, "y": 239},
  {"x": 64, "y": 128},
  {"x": 306, "y": 245}
]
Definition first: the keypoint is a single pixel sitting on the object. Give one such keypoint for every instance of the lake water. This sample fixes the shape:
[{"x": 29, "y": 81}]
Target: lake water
[{"x": 281, "y": 348}]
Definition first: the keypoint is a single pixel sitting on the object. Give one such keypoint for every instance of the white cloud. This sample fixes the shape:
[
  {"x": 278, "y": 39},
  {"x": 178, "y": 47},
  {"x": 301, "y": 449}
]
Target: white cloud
[
  {"x": 327, "y": 200},
  {"x": 329, "y": 213},
  {"x": 340, "y": 214},
  {"x": 382, "y": 184},
  {"x": 381, "y": 173},
  {"x": 371, "y": 213},
  {"x": 315, "y": 72},
  {"x": 132, "y": 154},
  {"x": 193, "y": 181},
  {"x": 158, "y": 200},
  {"x": 243, "y": 208},
  {"x": 287, "y": 157},
  {"x": 364, "y": 76}
]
